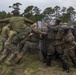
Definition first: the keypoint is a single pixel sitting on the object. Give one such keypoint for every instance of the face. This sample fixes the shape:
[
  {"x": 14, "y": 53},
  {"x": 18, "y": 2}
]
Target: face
[{"x": 9, "y": 25}]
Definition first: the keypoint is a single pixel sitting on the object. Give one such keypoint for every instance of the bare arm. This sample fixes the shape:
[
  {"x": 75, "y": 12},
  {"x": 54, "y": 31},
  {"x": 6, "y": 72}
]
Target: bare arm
[
  {"x": 4, "y": 20},
  {"x": 8, "y": 32},
  {"x": 28, "y": 21}
]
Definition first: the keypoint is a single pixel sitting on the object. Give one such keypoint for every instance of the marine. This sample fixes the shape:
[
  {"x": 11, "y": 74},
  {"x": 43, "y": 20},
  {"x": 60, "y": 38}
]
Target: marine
[
  {"x": 32, "y": 41},
  {"x": 69, "y": 45},
  {"x": 55, "y": 47},
  {"x": 18, "y": 26},
  {"x": 5, "y": 34}
]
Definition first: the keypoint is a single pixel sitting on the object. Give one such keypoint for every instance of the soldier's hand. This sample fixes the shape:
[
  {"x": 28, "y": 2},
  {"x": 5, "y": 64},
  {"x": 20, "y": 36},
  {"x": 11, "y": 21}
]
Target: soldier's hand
[
  {"x": 43, "y": 33},
  {"x": 30, "y": 34}
]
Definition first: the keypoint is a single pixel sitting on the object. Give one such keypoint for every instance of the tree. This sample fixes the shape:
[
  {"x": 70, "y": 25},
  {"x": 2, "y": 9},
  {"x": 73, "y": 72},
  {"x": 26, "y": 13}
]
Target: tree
[
  {"x": 3, "y": 15},
  {"x": 8, "y": 14},
  {"x": 57, "y": 11},
  {"x": 70, "y": 11},
  {"x": 48, "y": 11},
  {"x": 63, "y": 10},
  {"x": 36, "y": 11},
  {"x": 28, "y": 12},
  {"x": 15, "y": 6}
]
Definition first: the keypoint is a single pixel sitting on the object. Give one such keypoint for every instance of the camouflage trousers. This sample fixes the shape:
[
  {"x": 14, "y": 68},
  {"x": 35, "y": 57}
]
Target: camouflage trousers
[
  {"x": 30, "y": 46},
  {"x": 3, "y": 42},
  {"x": 7, "y": 47},
  {"x": 17, "y": 44},
  {"x": 57, "y": 50},
  {"x": 13, "y": 51},
  {"x": 18, "y": 40},
  {"x": 70, "y": 51}
]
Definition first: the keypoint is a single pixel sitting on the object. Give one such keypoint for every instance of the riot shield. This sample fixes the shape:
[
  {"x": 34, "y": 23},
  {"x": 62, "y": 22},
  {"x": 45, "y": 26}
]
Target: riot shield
[
  {"x": 42, "y": 41},
  {"x": 39, "y": 25}
]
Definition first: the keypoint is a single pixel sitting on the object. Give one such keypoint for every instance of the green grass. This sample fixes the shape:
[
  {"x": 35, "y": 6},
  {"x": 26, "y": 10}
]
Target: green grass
[{"x": 31, "y": 65}]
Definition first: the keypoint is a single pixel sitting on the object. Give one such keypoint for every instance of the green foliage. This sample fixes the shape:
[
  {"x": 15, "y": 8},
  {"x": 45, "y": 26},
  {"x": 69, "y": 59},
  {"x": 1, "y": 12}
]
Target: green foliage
[
  {"x": 48, "y": 10},
  {"x": 34, "y": 13},
  {"x": 57, "y": 11},
  {"x": 28, "y": 12},
  {"x": 3, "y": 15},
  {"x": 70, "y": 10},
  {"x": 15, "y": 6}
]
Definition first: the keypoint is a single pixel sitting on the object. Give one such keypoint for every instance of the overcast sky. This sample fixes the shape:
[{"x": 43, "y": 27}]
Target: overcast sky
[{"x": 42, "y": 4}]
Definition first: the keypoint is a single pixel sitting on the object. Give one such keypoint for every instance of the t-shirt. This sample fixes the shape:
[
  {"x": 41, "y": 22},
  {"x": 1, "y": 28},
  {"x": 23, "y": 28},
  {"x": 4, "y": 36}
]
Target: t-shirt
[
  {"x": 17, "y": 23},
  {"x": 5, "y": 32}
]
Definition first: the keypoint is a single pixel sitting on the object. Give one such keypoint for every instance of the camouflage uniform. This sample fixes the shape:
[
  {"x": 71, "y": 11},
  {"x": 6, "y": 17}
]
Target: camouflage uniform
[
  {"x": 18, "y": 25},
  {"x": 69, "y": 45},
  {"x": 7, "y": 44},
  {"x": 59, "y": 48},
  {"x": 14, "y": 45},
  {"x": 56, "y": 46},
  {"x": 31, "y": 42},
  {"x": 43, "y": 42},
  {"x": 4, "y": 35}
]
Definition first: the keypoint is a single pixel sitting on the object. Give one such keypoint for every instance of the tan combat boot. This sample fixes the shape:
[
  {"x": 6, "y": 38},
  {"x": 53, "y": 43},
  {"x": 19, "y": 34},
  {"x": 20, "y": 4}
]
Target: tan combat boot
[
  {"x": 8, "y": 63},
  {"x": 19, "y": 57}
]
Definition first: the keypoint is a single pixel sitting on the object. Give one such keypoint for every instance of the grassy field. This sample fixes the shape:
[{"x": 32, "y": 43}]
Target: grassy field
[{"x": 31, "y": 65}]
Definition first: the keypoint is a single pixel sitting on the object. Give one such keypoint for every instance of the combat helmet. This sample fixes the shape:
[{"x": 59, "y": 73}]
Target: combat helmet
[{"x": 64, "y": 27}]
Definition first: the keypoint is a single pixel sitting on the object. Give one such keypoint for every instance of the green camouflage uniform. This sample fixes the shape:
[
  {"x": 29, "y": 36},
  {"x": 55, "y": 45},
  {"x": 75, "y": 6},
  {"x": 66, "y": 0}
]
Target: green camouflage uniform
[
  {"x": 4, "y": 35},
  {"x": 18, "y": 25},
  {"x": 56, "y": 46},
  {"x": 69, "y": 45},
  {"x": 31, "y": 42},
  {"x": 7, "y": 48}
]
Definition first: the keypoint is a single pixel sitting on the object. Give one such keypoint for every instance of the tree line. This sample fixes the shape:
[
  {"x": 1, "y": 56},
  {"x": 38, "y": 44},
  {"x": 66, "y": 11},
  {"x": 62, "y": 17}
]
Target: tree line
[{"x": 35, "y": 13}]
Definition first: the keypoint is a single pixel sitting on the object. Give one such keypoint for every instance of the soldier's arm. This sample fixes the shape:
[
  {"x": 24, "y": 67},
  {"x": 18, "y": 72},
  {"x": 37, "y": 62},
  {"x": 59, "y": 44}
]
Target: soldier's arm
[
  {"x": 4, "y": 20},
  {"x": 28, "y": 21},
  {"x": 8, "y": 32},
  {"x": 53, "y": 27},
  {"x": 34, "y": 28},
  {"x": 38, "y": 31}
]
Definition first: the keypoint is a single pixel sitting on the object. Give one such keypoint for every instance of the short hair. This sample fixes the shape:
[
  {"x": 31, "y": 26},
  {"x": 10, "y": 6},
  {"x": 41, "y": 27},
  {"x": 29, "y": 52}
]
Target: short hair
[{"x": 15, "y": 12}]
